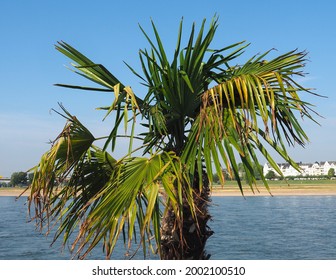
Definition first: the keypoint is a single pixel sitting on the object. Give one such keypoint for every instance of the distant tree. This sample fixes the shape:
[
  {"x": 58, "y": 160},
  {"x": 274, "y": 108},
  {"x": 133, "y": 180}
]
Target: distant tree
[
  {"x": 241, "y": 171},
  {"x": 225, "y": 175},
  {"x": 215, "y": 178},
  {"x": 245, "y": 172},
  {"x": 257, "y": 171},
  {"x": 30, "y": 178},
  {"x": 270, "y": 175},
  {"x": 18, "y": 179},
  {"x": 331, "y": 172}
]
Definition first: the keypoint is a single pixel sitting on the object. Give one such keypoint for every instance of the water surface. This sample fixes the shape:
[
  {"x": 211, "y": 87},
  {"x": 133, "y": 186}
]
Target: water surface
[{"x": 257, "y": 228}]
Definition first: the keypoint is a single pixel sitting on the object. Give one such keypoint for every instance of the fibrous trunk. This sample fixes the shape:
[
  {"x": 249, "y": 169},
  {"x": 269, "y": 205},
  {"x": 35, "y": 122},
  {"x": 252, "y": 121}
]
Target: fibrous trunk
[{"x": 185, "y": 240}]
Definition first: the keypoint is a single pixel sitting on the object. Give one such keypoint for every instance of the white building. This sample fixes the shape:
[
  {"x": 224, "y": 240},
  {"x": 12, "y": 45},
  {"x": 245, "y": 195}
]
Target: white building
[
  {"x": 4, "y": 180},
  {"x": 307, "y": 169}
]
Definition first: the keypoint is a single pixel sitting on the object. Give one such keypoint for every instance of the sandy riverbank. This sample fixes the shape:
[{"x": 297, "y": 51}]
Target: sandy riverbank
[
  {"x": 234, "y": 191},
  {"x": 12, "y": 192},
  {"x": 278, "y": 190}
]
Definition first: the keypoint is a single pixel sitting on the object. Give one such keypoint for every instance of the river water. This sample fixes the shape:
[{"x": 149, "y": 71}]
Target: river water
[{"x": 255, "y": 228}]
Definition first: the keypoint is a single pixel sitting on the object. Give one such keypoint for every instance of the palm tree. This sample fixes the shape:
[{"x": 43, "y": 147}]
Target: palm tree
[{"x": 200, "y": 114}]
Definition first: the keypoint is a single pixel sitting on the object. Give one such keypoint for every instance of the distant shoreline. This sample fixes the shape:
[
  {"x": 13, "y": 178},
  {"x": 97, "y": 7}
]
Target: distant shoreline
[
  {"x": 275, "y": 192},
  {"x": 13, "y": 192},
  {"x": 278, "y": 189},
  {"x": 293, "y": 190}
]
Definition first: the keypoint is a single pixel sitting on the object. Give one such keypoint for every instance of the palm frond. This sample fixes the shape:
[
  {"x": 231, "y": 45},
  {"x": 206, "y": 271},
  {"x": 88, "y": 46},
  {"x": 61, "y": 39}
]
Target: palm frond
[
  {"x": 175, "y": 89},
  {"x": 88, "y": 69},
  {"x": 67, "y": 150},
  {"x": 251, "y": 101},
  {"x": 125, "y": 100},
  {"x": 110, "y": 198}
]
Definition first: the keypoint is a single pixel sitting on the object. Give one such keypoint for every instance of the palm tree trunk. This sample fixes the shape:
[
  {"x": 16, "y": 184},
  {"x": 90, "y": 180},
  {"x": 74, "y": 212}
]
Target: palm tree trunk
[{"x": 187, "y": 241}]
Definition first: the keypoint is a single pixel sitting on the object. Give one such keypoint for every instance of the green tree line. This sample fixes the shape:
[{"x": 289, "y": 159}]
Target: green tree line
[{"x": 19, "y": 179}]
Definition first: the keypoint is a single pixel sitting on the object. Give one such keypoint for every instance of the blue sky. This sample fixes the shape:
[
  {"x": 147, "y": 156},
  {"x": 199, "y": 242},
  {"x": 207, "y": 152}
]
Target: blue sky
[{"x": 108, "y": 33}]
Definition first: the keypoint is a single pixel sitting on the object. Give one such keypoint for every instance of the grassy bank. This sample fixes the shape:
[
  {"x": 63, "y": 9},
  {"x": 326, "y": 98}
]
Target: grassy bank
[
  {"x": 289, "y": 183},
  {"x": 294, "y": 187}
]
